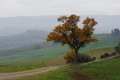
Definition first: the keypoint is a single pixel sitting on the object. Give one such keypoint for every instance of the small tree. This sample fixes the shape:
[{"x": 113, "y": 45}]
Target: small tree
[
  {"x": 69, "y": 33},
  {"x": 118, "y": 48}
]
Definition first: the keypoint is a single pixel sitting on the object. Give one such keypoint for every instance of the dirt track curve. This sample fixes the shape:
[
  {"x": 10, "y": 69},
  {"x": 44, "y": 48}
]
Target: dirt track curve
[{"x": 4, "y": 76}]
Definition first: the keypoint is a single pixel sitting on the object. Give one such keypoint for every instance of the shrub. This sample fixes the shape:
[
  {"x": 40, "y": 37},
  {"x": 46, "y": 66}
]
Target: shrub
[
  {"x": 84, "y": 58},
  {"x": 104, "y": 56},
  {"x": 113, "y": 54},
  {"x": 69, "y": 57}
]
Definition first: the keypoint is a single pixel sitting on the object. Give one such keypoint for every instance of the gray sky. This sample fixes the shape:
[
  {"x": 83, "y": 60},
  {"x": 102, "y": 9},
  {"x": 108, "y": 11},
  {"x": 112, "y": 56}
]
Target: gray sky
[{"x": 58, "y": 7}]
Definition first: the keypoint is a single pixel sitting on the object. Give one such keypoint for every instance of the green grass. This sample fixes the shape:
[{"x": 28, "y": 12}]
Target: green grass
[
  {"x": 34, "y": 55},
  {"x": 20, "y": 67},
  {"x": 60, "y": 74},
  {"x": 105, "y": 70},
  {"x": 35, "y": 58},
  {"x": 99, "y": 51},
  {"x": 28, "y": 65}
]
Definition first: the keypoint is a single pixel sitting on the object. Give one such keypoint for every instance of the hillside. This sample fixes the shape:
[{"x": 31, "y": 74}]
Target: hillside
[
  {"x": 38, "y": 54},
  {"x": 30, "y": 57},
  {"x": 31, "y": 61},
  {"x": 104, "y": 40},
  {"x": 35, "y": 46},
  {"x": 31, "y": 37}
]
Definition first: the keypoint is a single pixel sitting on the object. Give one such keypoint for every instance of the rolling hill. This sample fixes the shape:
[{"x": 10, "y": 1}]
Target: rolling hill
[
  {"x": 31, "y": 37},
  {"x": 105, "y": 40},
  {"x": 29, "y": 57}
]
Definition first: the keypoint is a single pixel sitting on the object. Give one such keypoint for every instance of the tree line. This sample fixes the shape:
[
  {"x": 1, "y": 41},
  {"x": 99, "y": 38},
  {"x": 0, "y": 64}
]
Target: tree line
[{"x": 115, "y": 32}]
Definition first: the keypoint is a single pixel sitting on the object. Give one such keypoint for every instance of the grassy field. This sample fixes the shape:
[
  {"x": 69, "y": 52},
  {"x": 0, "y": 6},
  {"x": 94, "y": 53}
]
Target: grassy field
[
  {"x": 104, "y": 70},
  {"x": 61, "y": 74},
  {"x": 22, "y": 66},
  {"x": 27, "y": 60},
  {"x": 99, "y": 51},
  {"x": 34, "y": 55},
  {"x": 32, "y": 59}
]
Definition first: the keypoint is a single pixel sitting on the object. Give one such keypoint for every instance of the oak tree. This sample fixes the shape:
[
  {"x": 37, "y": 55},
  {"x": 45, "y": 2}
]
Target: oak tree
[{"x": 68, "y": 32}]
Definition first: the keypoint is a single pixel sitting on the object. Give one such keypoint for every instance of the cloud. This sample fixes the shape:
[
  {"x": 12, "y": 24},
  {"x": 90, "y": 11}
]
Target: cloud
[{"x": 57, "y": 7}]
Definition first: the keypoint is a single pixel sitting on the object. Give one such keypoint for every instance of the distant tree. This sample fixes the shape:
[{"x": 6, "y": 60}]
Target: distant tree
[
  {"x": 115, "y": 32},
  {"x": 69, "y": 33},
  {"x": 112, "y": 32}
]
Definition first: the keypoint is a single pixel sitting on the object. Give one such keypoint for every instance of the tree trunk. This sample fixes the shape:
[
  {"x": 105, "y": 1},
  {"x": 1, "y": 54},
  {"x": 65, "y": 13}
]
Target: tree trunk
[{"x": 76, "y": 57}]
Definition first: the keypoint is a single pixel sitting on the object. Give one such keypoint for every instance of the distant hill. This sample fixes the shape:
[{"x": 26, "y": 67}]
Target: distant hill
[
  {"x": 15, "y": 25},
  {"x": 31, "y": 37},
  {"x": 20, "y": 24},
  {"x": 50, "y": 50}
]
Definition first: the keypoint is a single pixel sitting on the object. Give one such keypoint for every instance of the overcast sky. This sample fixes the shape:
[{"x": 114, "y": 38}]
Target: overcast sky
[{"x": 58, "y": 7}]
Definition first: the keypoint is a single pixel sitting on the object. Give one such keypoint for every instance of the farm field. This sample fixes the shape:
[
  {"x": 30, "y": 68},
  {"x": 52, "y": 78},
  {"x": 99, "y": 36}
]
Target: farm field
[
  {"x": 104, "y": 70},
  {"x": 28, "y": 65}
]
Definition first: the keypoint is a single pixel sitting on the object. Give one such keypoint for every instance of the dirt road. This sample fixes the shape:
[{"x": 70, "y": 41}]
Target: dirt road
[{"x": 4, "y": 76}]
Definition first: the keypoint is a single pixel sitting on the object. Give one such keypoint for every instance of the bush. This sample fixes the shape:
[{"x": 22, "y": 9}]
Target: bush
[
  {"x": 82, "y": 58},
  {"x": 69, "y": 57},
  {"x": 104, "y": 56},
  {"x": 113, "y": 54}
]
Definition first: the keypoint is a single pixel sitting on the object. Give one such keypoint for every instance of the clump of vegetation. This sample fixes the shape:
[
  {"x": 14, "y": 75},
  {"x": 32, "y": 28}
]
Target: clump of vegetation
[
  {"x": 115, "y": 32},
  {"x": 118, "y": 49},
  {"x": 105, "y": 55},
  {"x": 85, "y": 58},
  {"x": 113, "y": 54},
  {"x": 69, "y": 56},
  {"x": 82, "y": 58},
  {"x": 71, "y": 34}
]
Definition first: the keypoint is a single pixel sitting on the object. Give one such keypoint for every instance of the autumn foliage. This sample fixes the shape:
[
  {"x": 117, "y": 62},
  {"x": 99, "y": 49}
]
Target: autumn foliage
[
  {"x": 69, "y": 56},
  {"x": 70, "y": 33}
]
